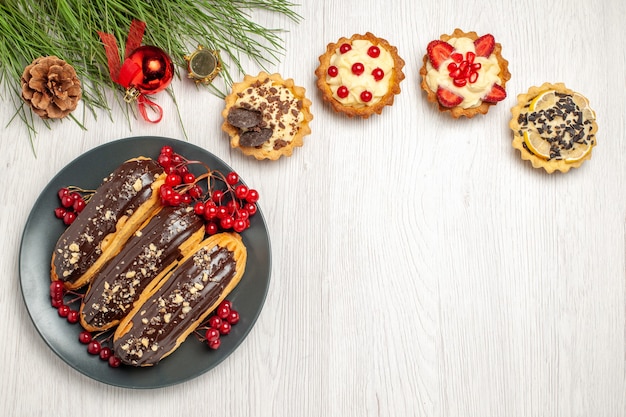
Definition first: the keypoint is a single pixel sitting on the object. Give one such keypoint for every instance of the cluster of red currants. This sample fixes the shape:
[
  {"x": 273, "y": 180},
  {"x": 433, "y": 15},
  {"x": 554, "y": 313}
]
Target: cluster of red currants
[
  {"x": 94, "y": 347},
  {"x": 72, "y": 203},
  {"x": 180, "y": 185},
  {"x": 229, "y": 209},
  {"x": 228, "y": 204},
  {"x": 220, "y": 323},
  {"x": 57, "y": 294}
]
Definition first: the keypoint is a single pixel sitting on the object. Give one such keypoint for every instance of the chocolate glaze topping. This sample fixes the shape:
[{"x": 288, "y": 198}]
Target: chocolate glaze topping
[
  {"x": 121, "y": 193},
  {"x": 192, "y": 288},
  {"x": 146, "y": 254}
]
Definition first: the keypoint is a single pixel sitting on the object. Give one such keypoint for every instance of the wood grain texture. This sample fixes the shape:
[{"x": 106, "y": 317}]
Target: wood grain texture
[{"x": 420, "y": 267}]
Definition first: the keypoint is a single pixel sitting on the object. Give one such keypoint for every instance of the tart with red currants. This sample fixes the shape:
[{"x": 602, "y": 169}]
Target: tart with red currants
[
  {"x": 361, "y": 75},
  {"x": 464, "y": 74}
]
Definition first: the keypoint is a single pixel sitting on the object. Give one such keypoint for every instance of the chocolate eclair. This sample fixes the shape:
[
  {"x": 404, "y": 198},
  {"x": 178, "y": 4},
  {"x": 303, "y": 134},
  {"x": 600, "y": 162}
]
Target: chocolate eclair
[
  {"x": 124, "y": 200},
  {"x": 149, "y": 254},
  {"x": 181, "y": 301}
]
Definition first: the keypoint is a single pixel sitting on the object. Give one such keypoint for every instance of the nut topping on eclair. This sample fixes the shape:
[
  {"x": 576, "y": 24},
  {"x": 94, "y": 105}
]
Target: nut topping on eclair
[{"x": 147, "y": 256}]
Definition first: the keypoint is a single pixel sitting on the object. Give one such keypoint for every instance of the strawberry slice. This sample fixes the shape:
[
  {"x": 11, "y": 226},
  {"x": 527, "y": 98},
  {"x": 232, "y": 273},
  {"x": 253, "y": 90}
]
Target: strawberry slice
[
  {"x": 438, "y": 51},
  {"x": 484, "y": 45},
  {"x": 447, "y": 98},
  {"x": 496, "y": 94}
]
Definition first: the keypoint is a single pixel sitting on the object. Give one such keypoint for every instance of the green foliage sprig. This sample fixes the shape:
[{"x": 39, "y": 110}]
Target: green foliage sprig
[{"x": 68, "y": 29}]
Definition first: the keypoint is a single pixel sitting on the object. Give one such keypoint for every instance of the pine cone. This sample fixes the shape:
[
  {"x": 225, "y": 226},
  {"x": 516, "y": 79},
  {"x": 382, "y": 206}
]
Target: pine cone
[{"x": 51, "y": 87}]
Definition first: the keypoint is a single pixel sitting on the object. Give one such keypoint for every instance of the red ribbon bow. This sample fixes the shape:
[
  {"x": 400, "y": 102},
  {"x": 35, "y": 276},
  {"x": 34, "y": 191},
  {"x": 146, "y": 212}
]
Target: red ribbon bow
[{"x": 123, "y": 74}]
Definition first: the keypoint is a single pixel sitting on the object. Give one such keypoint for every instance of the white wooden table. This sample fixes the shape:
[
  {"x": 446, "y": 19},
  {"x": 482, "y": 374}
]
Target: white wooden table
[{"x": 420, "y": 267}]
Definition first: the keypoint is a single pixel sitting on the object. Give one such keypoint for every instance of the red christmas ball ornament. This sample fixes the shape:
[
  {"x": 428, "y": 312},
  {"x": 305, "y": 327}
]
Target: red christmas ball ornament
[{"x": 147, "y": 69}]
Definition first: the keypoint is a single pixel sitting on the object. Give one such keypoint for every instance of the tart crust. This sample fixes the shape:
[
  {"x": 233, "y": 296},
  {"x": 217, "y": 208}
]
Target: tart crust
[
  {"x": 551, "y": 165},
  {"x": 265, "y": 151},
  {"x": 458, "y": 111},
  {"x": 367, "y": 110}
]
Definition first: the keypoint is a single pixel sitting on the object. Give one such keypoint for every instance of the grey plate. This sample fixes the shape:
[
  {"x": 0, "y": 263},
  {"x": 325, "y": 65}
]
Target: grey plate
[{"x": 42, "y": 230}]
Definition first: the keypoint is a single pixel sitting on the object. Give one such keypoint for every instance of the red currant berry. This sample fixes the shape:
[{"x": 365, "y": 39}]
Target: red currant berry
[
  {"x": 346, "y": 47},
  {"x": 56, "y": 302},
  {"x": 211, "y": 334},
  {"x": 241, "y": 192},
  {"x": 167, "y": 150},
  {"x": 72, "y": 316},
  {"x": 239, "y": 225},
  {"x": 189, "y": 178},
  {"x": 210, "y": 212},
  {"x": 233, "y": 317},
  {"x": 226, "y": 304},
  {"x": 199, "y": 208},
  {"x": 342, "y": 91},
  {"x": 59, "y": 212},
  {"x": 378, "y": 74},
  {"x": 211, "y": 228},
  {"x": 165, "y": 192},
  {"x": 164, "y": 160},
  {"x": 173, "y": 180},
  {"x": 227, "y": 223},
  {"x": 225, "y": 327},
  {"x": 114, "y": 362},
  {"x": 176, "y": 159},
  {"x": 63, "y": 311},
  {"x": 195, "y": 191},
  {"x": 105, "y": 353},
  {"x": 84, "y": 337},
  {"x": 366, "y": 96},
  {"x": 251, "y": 208},
  {"x": 232, "y": 178},
  {"x": 215, "y": 344},
  {"x": 333, "y": 71},
  {"x": 241, "y": 215},
  {"x": 253, "y": 196},
  {"x": 56, "y": 287},
  {"x": 63, "y": 192},
  {"x": 185, "y": 199},
  {"x": 358, "y": 68},
  {"x": 222, "y": 311},
  {"x": 93, "y": 347},
  {"x": 222, "y": 212},
  {"x": 69, "y": 218},
  {"x": 217, "y": 196},
  {"x": 215, "y": 322},
  {"x": 67, "y": 201},
  {"x": 175, "y": 199},
  {"x": 373, "y": 51},
  {"x": 79, "y": 205}
]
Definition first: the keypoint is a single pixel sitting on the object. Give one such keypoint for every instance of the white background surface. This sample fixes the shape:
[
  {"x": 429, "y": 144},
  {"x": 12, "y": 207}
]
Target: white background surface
[{"x": 420, "y": 267}]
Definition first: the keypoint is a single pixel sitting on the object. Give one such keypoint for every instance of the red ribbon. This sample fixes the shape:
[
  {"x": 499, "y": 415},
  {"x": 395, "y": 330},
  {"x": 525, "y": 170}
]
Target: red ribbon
[{"x": 123, "y": 78}]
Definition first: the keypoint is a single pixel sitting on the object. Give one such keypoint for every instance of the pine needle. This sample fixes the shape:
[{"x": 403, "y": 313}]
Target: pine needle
[{"x": 68, "y": 29}]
